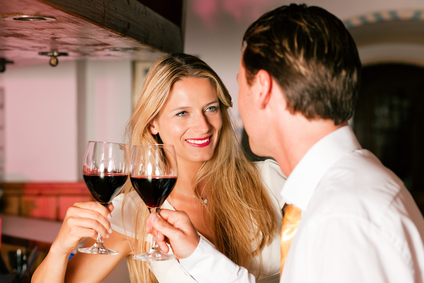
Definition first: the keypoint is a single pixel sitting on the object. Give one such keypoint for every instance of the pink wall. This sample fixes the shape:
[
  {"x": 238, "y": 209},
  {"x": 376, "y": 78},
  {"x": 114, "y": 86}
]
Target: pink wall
[
  {"x": 109, "y": 89},
  {"x": 40, "y": 122},
  {"x": 43, "y": 140}
]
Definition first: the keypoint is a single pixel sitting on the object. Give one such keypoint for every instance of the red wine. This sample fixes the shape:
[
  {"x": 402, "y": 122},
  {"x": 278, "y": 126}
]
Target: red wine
[
  {"x": 103, "y": 187},
  {"x": 154, "y": 190}
]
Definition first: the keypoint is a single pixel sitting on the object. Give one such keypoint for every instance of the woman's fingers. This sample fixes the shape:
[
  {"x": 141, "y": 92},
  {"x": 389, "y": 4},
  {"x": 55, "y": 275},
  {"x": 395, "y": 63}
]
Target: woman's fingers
[
  {"x": 82, "y": 220},
  {"x": 81, "y": 232},
  {"x": 75, "y": 223},
  {"x": 95, "y": 206},
  {"x": 78, "y": 213}
]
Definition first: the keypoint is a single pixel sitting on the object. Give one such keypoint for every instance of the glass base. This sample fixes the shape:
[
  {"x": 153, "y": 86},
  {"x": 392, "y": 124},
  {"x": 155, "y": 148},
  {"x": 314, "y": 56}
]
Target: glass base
[
  {"x": 97, "y": 249},
  {"x": 154, "y": 256}
]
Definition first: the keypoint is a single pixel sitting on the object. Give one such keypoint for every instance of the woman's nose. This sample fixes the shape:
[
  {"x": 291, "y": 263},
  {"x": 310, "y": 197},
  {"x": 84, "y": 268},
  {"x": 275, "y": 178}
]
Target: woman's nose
[{"x": 202, "y": 124}]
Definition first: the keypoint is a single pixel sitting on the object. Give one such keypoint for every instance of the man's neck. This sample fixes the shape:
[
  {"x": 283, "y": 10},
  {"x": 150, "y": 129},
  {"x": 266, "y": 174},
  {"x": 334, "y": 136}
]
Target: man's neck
[{"x": 297, "y": 139}]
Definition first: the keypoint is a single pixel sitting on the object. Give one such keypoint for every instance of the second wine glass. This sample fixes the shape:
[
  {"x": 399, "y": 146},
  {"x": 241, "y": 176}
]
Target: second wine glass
[
  {"x": 153, "y": 175},
  {"x": 105, "y": 170}
]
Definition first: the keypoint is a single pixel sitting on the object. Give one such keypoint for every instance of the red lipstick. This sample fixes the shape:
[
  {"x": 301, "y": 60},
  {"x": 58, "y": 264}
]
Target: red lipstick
[{"x": 202, "y": 142}]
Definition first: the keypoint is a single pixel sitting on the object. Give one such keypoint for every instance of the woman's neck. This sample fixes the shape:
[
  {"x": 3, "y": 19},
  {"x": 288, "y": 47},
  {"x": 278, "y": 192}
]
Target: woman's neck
[
  {"x": 183, "y": 197},
  {"x": 187, "y": 172}
]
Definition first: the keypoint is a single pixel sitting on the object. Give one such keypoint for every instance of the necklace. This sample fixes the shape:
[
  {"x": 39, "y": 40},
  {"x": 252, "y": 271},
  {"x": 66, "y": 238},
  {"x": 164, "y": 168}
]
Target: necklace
[{"x": 203, "y": 198}]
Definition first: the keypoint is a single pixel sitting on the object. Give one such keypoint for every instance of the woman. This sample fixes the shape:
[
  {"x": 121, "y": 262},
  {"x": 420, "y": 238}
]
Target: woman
[{"x": 184, "y": 103}]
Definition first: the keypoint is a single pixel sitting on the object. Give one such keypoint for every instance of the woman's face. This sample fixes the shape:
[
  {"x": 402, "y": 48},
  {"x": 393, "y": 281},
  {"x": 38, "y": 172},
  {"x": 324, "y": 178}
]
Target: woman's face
[{"x": 190, "y": 120}]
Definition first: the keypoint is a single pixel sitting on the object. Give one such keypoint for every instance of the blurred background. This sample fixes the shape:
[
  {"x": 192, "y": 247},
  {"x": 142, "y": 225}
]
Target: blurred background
[{"x": 47, "y": 114}]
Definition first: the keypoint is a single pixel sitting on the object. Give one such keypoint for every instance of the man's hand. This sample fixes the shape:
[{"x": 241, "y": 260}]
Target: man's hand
[{"x": 176, "y": 228}]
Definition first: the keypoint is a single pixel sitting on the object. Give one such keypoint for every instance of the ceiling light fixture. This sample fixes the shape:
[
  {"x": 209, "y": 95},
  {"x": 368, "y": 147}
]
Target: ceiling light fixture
[
  {"x": 121, "y": 49},
  {"x": 27, "y": 18},
  {"x": 53, "y": 56}
]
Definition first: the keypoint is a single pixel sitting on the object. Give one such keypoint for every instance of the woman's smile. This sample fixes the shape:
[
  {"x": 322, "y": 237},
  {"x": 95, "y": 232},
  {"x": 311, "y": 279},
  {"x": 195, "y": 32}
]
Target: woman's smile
[{"x": 199, "y": 142}]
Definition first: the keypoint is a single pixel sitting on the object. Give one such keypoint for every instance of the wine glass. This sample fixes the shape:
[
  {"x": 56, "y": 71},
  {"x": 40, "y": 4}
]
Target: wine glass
[
  {"x": 153, "y": 175},
  {"x": 105, "y": 169}
]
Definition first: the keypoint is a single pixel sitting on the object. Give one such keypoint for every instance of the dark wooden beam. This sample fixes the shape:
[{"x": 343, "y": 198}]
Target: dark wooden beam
[
  {"x": 129, "y": 18},
  {"x": 169, "y": 9},
  {"x": 85, "y": 29}
]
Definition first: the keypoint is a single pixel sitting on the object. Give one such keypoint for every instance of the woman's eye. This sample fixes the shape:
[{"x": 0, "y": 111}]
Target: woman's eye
[
  {"x": 212, "y": 109},
  {"x": 182, "y": 113}
]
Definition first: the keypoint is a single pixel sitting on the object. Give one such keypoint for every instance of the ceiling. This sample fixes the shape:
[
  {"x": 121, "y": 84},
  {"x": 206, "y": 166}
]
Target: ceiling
[
  {"x": 82, "y": 29},
  {"x": 406, "y": 31}
]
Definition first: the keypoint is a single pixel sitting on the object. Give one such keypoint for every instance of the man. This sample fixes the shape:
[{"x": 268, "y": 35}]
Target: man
[{"x": 299, "y": 79}]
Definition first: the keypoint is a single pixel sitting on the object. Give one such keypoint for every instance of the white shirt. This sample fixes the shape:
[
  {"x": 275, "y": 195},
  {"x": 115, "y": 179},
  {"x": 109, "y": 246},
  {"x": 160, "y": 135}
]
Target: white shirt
[
  {"x": 359, "y": 223},
  {"x": 172, "y": 272}
]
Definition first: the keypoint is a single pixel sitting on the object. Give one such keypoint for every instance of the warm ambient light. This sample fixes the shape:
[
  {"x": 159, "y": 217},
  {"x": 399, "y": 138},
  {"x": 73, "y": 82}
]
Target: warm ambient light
[
  {"x": 122, "y": 49},
  {"x": 27, "y": 18}
]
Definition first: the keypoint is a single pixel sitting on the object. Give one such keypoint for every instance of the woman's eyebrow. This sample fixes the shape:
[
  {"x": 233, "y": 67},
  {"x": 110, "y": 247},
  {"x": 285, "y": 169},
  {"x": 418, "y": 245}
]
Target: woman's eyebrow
[
  {"x": 213, "y": 102},
  {"x": 179, "y": 108}
]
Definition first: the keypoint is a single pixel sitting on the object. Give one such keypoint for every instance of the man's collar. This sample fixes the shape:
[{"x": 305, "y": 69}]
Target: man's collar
[{"x": 307, "y": 174}]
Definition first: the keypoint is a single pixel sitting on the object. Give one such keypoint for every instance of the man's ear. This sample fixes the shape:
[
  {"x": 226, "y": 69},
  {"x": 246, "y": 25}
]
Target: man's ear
[
  {"x": 265, "y": 82},
  {"x": 153, "y": 127}
]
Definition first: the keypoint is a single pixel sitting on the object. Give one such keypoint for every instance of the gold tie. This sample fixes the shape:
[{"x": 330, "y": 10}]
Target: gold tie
[{"x": 291, "y": 221}]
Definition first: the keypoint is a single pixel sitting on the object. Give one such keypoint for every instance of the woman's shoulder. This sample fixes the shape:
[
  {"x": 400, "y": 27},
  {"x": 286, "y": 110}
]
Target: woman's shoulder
[
  {"x": 272, "y": 176},
  {"x": 123, "y": 212},
  {"x": 269, "y": 164},
  {"x": 131, "y": 201},
  {"x": 270, "y": 170}
]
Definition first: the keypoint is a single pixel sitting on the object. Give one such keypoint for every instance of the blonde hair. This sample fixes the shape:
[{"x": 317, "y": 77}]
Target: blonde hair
[{"x": 241, "y": 213}]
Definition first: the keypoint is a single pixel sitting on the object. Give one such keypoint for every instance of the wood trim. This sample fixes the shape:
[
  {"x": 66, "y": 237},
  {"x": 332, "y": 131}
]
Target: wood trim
[
  {"x": 128, "y": 18},
  {"x": 42, "y": 200}
]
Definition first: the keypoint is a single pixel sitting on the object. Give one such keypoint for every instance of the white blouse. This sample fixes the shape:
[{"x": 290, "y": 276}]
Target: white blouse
[{"x": 170, "y": 271}]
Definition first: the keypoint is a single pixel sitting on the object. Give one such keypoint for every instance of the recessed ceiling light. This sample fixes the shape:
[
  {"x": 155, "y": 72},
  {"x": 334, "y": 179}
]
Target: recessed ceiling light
[
  {"x": 27, "y": 18},
  {"x": 124, "y": 49}
]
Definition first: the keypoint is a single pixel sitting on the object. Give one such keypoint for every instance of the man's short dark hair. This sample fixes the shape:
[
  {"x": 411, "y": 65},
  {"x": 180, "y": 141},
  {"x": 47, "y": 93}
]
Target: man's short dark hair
[{"x": 311, "y": 55}]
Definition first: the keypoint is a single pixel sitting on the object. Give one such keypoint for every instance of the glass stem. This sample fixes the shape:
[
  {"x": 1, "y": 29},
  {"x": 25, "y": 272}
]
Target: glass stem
[
  {"x": 99, "y": 241},
  {"x": 155, "y": 238}
]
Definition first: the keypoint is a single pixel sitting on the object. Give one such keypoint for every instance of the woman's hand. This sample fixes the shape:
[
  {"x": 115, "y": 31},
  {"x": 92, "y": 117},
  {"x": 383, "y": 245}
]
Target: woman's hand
[
  {"x": 82, "y": 220},
  {"x": 175, "y": 227}
]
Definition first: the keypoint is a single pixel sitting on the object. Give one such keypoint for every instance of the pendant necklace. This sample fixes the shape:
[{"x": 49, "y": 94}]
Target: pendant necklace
[{"x": 203, "y": 198}]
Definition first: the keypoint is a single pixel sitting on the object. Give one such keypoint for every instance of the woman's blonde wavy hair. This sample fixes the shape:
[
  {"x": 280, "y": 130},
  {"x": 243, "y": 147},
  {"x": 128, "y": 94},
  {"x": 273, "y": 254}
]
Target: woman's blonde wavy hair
[{"x": 243, "y": 221}]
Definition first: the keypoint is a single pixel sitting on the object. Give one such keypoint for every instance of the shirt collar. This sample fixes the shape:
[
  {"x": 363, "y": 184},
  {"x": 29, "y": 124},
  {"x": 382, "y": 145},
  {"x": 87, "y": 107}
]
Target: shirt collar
[{"x": 305, "y": 177}]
